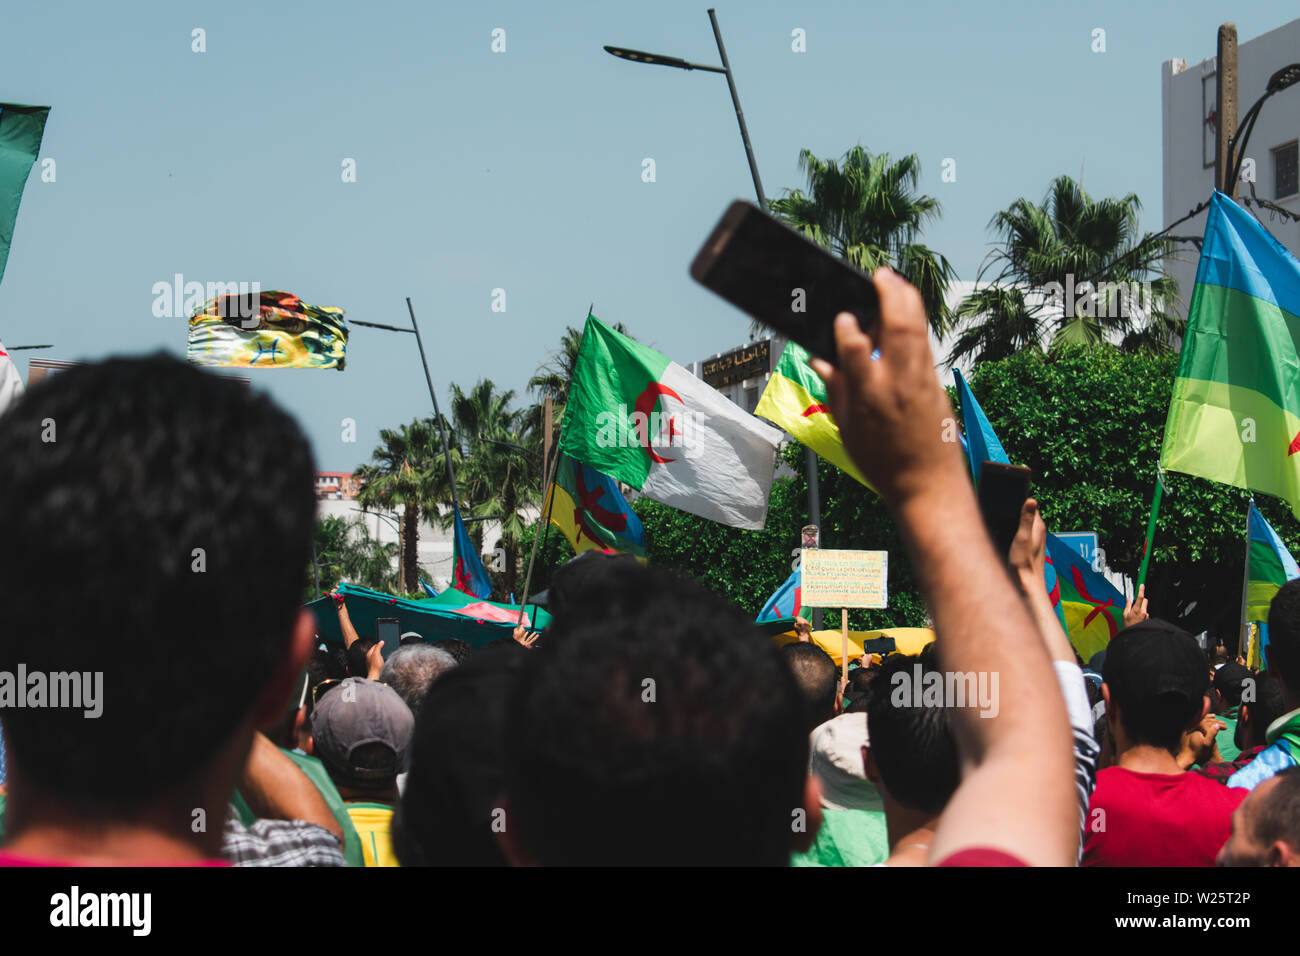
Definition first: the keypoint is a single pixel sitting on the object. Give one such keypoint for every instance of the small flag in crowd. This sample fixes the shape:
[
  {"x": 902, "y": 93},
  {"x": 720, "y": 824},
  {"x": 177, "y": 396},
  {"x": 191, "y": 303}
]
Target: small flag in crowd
[
  {"x": 591, "y": 512},
  {"x": 267, "y": 330},
  {"x": 1271, "y": 566},
  {"x": 21, "y": 130},
  {"x": 795, "y": 399},
  {"x": 644, "y": 420},
  {"x": 1091, "y": 607},
  {"x": 1235, "y": 412},
  {"x": 468, "y": 574},
  {"x": 785, "y": 602}
]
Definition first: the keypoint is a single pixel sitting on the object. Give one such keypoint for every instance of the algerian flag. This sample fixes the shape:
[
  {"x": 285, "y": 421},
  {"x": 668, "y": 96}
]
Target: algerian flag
[
  {"x": 1234, "y": 416},
  {"x": 11, "y": 384},
  {"x": 795, "y": 399},
  {"x": 636, "y": 416}
]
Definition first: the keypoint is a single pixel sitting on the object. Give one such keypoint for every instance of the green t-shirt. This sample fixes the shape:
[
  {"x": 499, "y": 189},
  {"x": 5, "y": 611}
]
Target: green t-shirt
[
  {"x": 316, "y": 772},
  {"x": 1227, "y": 749},
  {"x": 847, "y": 838}
]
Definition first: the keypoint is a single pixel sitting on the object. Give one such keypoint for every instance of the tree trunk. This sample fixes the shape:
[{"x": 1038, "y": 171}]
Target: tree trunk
[
  {"x": 410, "y": 545},
  {"x": 512, "y": 572}
]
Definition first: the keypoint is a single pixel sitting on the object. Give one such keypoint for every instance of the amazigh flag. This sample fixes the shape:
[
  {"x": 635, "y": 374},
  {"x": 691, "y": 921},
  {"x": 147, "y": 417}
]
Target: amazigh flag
[
  {"x": 786, "y": 602},
  {"x": 468, "y": 573},
  {"x": 591, "y": 512},
  {"x": 644, "y": 420},
  {"x": 981, "y": 442},
  {"x": 1271, "y": 565},
  {"x": 11, "y": 383},
  {"x": 1092, "y": 607},
  {"x": 21, "y": 129},
  {"x": 267, "y": 330},
  {"x": 795, "y": 399},
  {"x": 1235, "y": 412}
]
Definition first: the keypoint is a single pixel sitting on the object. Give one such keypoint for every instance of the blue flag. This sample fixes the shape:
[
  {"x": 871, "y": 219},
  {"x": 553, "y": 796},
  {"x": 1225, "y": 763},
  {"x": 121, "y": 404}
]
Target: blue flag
[
  {"x": 981, "y": 442},
  {"x": 785, "y": 602},
  {"x": 468, "y": 573}
]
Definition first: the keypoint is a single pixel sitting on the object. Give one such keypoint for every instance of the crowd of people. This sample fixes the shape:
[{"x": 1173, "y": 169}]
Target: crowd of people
[{"x": 651, "y": 723}]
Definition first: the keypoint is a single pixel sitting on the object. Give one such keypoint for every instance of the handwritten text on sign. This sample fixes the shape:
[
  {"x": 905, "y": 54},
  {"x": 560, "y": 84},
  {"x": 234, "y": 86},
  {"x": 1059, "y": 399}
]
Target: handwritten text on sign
[{"x": 844, "y": 578}]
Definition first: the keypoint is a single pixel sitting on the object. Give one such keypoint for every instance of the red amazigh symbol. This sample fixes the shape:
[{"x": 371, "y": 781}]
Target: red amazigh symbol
[
  {"x": 814, "y": 409},
  {"x": 1055, "y": 593},
  {"x": 589, "y": 504},
  {"x": 645, "y": 404},
  {"x": 1097, "y": 605},
  {"x": 1295, "y": 445}
]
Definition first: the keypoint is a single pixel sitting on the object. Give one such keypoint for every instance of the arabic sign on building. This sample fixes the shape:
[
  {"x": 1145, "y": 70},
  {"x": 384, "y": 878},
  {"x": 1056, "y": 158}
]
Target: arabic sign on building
[{"x": 748, "y": 361}]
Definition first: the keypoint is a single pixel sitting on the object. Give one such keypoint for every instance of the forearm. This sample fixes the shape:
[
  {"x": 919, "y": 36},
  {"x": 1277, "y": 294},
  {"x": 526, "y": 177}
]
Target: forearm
[
  {"x": 1018, "y": 760},
  {"x": 345, "y": 625},
  {"x": 275, "y": 789},
  {"x": 1049, "y": 627}
]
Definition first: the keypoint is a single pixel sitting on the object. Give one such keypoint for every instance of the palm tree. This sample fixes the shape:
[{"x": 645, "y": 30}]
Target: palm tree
[
  {"x": 409, "y": 469},
  {"x": 500, "y": 477},
  {"x": 1062, "y": 263},
  {"x": 866, "y": 210},
  {"x": 344, "y": 549}
]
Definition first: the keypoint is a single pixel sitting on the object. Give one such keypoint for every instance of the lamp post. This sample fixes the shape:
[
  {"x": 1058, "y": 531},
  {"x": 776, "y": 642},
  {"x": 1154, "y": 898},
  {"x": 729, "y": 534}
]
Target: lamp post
[
  {"x": 656, "y": 59},
  {"x": 1286, "y": 77}
]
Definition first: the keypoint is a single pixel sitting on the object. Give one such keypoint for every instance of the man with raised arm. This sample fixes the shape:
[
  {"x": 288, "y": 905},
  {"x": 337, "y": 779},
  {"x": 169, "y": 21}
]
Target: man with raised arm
[{"x": 1016, "y": 802}]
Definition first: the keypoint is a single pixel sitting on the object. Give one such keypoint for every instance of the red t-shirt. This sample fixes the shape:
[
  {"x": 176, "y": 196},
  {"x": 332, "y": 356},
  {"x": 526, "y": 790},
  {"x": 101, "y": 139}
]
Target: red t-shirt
[{"x": 1157, "y": 819}]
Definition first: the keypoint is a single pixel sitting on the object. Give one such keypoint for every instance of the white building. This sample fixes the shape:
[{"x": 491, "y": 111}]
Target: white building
[{"x": 1189, "y": 97}]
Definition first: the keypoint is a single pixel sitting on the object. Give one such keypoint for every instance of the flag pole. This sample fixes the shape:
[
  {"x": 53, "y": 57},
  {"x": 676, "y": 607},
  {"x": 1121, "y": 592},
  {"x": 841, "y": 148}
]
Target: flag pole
[
  {"x": 1245, "y": 578},
  {"x": 442, "y": 426},
  {"x": 548, "y": 480},
  {"x": 1156, "y": 497}
]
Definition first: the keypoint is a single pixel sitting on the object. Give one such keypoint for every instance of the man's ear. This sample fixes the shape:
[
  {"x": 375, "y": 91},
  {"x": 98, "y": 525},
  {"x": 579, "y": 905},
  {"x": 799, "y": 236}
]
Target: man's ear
[
  {"x": 509, "y": 839},
  {"x": 286, "y": 672},
  {"x": 869, "y": 767},
  {"x": 1205, "y": 709},
  {"x": 1279, "y": 854},
  {"x": 812, "y": 814}
]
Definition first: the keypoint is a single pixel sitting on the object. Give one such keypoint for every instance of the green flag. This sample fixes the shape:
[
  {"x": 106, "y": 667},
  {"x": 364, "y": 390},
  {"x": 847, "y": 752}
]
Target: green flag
[
  {"x": 21, "y": 129},
  {"x": 1234, "y": 416}
]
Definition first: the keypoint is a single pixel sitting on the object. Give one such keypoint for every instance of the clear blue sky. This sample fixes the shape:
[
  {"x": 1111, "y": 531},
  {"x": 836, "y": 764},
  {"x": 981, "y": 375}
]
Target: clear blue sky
[{"x": 522, "y": 170}]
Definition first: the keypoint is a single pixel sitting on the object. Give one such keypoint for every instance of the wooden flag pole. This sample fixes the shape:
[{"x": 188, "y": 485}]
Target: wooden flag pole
[
  {"x": 844, "y": 646},
  {"x": 548, "y": 484}
]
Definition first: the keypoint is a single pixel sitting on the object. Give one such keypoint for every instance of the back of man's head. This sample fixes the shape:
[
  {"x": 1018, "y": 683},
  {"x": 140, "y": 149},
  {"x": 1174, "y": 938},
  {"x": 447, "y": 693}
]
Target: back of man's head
[
  {"x": 912, "y": 743},
  {"x": 1229, "y": 680},
  {"x": 670, "y": 736},
  {"x": 412, "y": 669},
  {"x": 1284, "y": 635},
  {"x": 818, "y": 679},
  {"x": 1157, "y": 679},
  {"x": 176, "y": 508}
]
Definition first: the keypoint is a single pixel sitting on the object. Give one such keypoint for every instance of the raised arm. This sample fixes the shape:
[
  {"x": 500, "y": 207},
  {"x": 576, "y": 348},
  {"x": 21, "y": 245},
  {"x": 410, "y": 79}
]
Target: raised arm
[
  {"x": 345, "y": 622},
  {"x": 275, "y": 789},
  {"x": 1016, "y": 794}
]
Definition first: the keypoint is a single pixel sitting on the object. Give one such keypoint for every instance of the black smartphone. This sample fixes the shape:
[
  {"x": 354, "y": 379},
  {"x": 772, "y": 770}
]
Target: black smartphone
[
  {"x": 388, "y": 630},
  {"x": 1003, "y": 490},
  {"x": 787, "y": 282}
]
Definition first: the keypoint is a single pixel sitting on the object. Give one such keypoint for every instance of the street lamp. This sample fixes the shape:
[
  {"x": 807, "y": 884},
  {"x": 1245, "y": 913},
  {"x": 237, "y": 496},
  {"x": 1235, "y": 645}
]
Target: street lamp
[
  {"x": 1286, "y": 77},
  {"x": 656, "y": 59}
]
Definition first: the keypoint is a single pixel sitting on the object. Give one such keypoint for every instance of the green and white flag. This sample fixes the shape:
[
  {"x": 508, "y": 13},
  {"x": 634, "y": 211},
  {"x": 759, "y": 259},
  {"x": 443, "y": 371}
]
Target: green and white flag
[{"x": 636, "y": 416}]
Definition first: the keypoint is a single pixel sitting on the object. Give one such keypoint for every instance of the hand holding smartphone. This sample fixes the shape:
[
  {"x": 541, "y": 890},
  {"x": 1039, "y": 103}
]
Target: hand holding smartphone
[
  {"x": 1002, "y": 493},
  {"x": 783, "y": 280}
]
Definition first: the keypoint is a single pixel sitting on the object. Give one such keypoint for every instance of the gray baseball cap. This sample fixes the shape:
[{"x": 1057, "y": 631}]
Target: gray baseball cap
[{"x": 361, "y": 730}]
